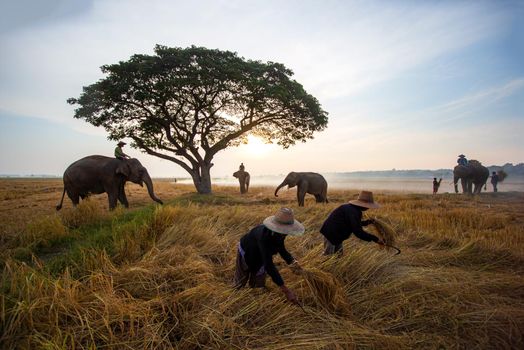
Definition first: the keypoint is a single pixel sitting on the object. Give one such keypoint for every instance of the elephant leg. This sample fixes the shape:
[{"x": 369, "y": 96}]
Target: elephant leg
[
  {"x": 319, "y": 198},
  {"x": 122, "y": 198},
  {"x": 300, "y": 197},
  {"x": 464, "y": 183},
  {"x": 75, "y": 197},
  {"x": 112, "y": 196},
  {"x": 242, "y": 187}
]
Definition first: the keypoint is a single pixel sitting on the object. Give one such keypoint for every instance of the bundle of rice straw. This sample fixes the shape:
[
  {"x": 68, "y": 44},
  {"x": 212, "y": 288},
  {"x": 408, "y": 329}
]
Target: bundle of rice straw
[
  {"x": 385, "y": 231},
  {"x": 325, "y": 291},
  {"x": 502, "y": 175}
]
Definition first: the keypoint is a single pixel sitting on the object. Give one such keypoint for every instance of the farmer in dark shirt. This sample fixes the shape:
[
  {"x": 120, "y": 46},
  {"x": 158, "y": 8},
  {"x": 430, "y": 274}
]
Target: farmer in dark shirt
[
  {"x": 345, "y": 220},
  {"x": 257, "y": 247},
  {"x": 119, "y": 154}
]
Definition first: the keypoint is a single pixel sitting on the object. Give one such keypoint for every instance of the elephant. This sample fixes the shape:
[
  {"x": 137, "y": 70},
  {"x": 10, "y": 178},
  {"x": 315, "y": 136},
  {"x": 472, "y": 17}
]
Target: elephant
[
  {"x": 243, "y": 178},
  {"x": 98, "y": 174},
  {"x": 474, "y": 173},
  {"x": 306, "y": 182}
]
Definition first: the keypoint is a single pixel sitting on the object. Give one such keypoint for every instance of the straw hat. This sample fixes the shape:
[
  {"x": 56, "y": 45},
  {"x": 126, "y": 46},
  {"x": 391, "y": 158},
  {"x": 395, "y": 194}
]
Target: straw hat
[
  {"x": 365, "y": 199},
  {"x": 121, "y": 143},
  {"x": 284, "y": 222}
]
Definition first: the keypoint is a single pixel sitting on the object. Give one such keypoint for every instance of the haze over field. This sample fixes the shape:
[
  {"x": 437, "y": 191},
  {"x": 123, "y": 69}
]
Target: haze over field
[{"x": 407, "y": 85}]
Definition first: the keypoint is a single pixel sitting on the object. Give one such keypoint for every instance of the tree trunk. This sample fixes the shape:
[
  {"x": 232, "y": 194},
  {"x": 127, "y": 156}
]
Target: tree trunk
[{"x": 202, "y": 179}]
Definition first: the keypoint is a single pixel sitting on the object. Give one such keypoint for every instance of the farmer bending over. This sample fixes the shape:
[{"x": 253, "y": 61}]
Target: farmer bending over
[
  {"x": 257, "y": 247},
  {"x": 345, "y": 220}
]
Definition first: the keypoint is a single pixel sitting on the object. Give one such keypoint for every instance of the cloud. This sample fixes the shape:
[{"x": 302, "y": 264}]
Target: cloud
[
  {"x": 478, "y": 101},
  {"x": 335, "y": 48}
]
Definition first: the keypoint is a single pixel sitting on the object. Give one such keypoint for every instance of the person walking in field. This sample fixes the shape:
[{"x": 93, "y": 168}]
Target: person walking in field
[
  {"x": 256, "y": 249},
  {"x": 436, "y": 184},
  {"x": 494, "y": 181},
  {"x": 119, "y": 154},
  {"x": 345, "y": 220}
]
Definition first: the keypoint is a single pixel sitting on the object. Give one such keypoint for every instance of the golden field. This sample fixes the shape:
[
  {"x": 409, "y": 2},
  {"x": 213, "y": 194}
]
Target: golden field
[{"x": 159, "y": 277}]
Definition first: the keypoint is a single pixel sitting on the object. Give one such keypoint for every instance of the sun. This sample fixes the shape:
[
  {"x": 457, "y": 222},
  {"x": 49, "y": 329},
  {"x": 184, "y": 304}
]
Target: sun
[{"x": 256, "y": 146}]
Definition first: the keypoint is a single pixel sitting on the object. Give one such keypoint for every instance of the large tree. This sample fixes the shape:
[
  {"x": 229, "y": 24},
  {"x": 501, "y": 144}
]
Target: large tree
[{"x": 185, "y": 105}]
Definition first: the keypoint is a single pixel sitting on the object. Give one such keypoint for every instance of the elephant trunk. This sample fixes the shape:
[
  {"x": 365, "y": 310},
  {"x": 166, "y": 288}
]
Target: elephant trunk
[
  {"x": 149, "y": 184},
  {"x": 279, "y": 187}
]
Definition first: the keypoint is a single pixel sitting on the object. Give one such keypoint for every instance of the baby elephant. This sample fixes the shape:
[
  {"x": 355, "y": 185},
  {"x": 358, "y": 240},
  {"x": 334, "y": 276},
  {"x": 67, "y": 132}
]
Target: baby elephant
[{"x": 311, "y": 183}]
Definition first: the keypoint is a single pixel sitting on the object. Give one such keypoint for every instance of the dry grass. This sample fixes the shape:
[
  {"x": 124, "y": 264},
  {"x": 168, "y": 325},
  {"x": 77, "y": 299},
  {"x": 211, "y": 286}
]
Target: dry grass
[{"x": 167, "y": 281}]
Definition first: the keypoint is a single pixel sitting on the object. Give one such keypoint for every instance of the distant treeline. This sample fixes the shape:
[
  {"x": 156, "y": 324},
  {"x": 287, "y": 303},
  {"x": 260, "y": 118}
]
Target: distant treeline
[{"x": 509, "y": 168}]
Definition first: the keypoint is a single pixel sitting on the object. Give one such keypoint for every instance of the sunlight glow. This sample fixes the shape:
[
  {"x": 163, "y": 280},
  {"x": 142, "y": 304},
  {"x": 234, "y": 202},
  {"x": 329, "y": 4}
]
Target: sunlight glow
[{"x": 256, "y": 146}]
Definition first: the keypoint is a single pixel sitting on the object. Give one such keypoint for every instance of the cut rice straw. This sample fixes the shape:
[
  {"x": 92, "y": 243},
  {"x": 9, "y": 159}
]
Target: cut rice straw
[
  {"x": 325, "y": 291},
  {"x": 385, "y": 231}
]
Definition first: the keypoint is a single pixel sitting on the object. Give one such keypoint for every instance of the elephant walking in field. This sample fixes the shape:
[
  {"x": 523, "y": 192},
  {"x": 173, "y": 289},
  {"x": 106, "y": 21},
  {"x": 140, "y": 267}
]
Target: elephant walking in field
[
  {"x": 307, "y": 182},
  {"x": 243, "y": 178},
  {"x": 472, "y": 177},
  {"x": 99, "y": 174}
]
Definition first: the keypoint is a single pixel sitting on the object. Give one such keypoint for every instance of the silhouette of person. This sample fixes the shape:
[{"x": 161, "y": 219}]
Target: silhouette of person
[
  {"x": 436, "y": 184},
  {"x": 241, "y": 167},
  {"x": 119, "y": 154},
  {"x": 494, "y": 181},
  {"x": 345, "y": 220}
]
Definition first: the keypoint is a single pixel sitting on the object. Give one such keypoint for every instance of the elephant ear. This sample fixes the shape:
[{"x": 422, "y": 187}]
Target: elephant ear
[{"x": 123, "y": 168}]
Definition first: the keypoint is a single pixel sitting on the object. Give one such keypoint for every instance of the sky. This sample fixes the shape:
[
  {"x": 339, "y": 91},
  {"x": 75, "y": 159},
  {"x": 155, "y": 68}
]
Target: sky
[{"x": 407, "y": 84}]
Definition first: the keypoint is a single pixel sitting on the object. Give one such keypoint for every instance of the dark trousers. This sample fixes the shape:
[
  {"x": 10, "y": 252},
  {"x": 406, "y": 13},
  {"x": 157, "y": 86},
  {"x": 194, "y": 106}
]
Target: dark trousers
[
  {"x": 330, "y": 249},
  {"x": 243, "y": 274}
]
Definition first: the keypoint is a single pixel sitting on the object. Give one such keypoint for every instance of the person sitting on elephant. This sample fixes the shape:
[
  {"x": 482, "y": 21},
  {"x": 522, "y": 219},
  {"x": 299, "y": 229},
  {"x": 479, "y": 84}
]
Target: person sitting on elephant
[
  {"x": 494, "y": 181},
  {"x": 347, "y": 219},
  {"x": 241, "y": 167},
  {"x": 256, "y": 249},
  {"x": 462, "y": 160},
  {"x": 119, "y": 154}
]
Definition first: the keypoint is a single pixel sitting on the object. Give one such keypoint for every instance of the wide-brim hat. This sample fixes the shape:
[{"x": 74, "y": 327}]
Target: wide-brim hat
[
  {"x": 461, "y": 156},
  {"x": 121, "y": 143},
  {"x": 284, "y": 222},
  {"x": 365, "y": 199}
]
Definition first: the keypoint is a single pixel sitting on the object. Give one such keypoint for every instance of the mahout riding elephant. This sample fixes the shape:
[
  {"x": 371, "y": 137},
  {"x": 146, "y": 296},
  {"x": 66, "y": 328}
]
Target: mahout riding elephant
[
  {"x": 243, "y": 178},
  {"x": 472, "y": 174},
  {"x": 98, "y": 174},
  {"x": 306, "y": 182}
]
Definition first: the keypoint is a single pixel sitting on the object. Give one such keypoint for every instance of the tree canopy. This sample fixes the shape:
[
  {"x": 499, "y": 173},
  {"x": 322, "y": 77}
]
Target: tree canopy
[{"x": 186, "y": 104}]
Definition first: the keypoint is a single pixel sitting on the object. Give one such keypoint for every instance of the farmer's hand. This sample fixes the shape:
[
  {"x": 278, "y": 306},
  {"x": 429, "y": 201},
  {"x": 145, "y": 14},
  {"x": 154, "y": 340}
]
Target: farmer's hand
[
  {"x": 368, "y": 222},
  {"x": 291, "y": 297},
  {"x": 296, "y": 268}
]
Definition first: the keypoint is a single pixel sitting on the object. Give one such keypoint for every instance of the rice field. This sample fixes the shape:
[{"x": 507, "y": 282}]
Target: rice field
[{"x": 160, "y": 277}]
